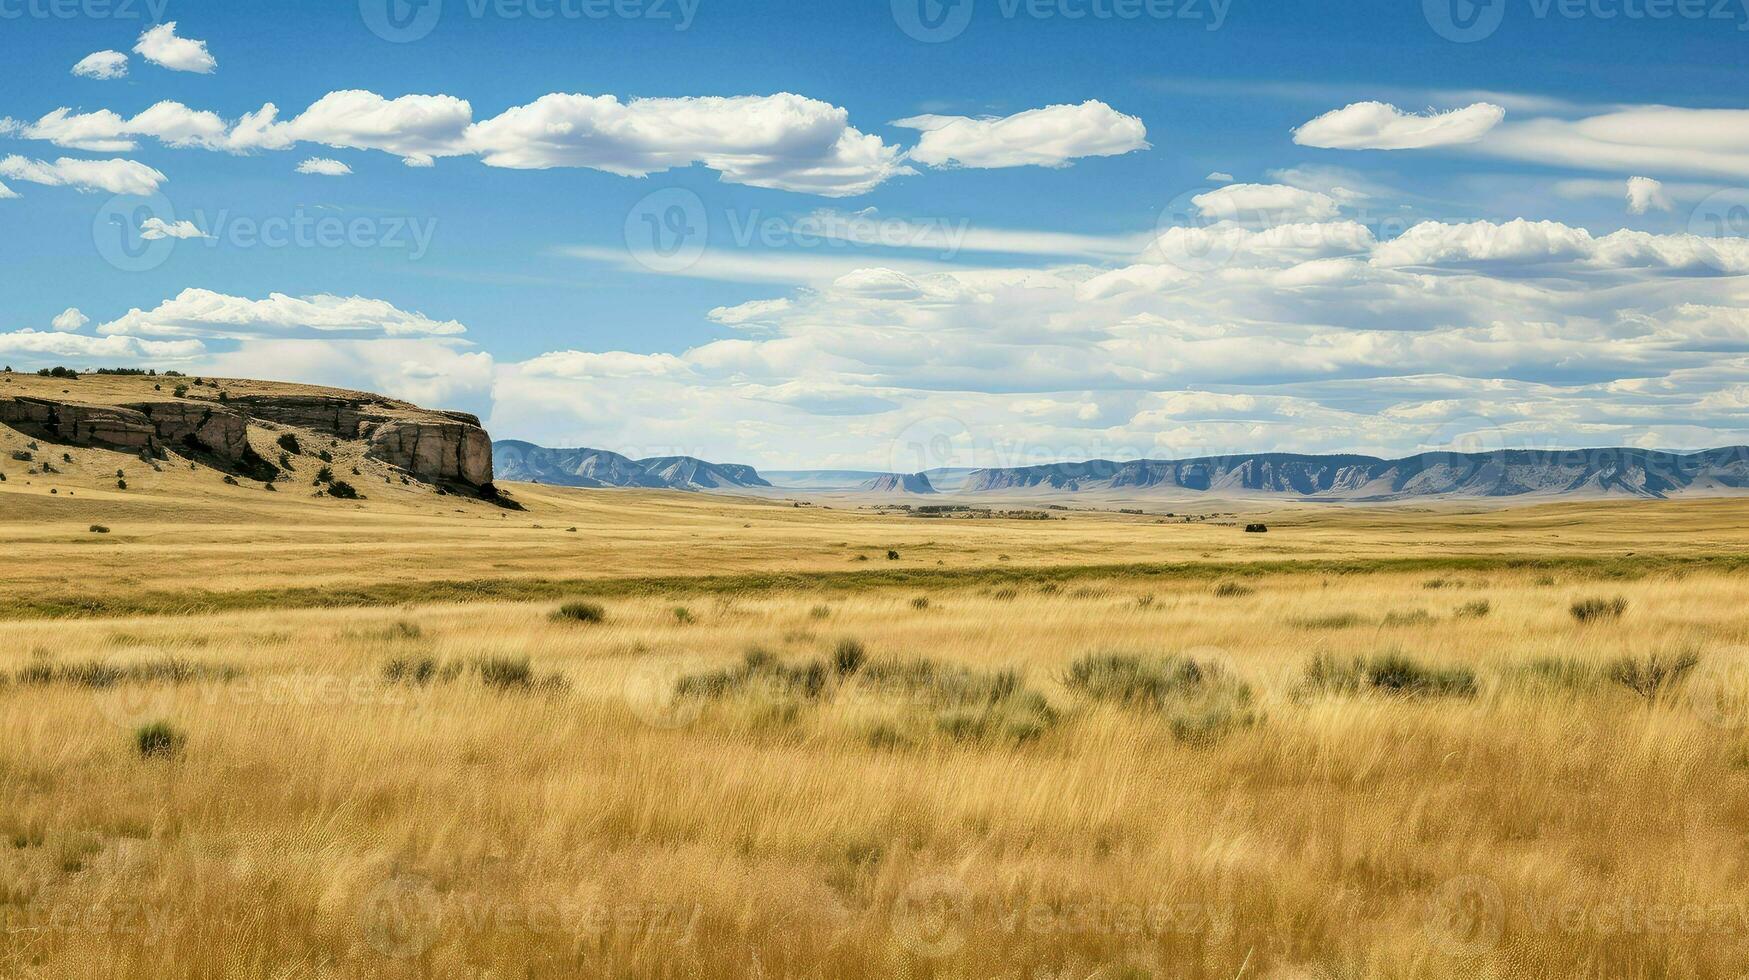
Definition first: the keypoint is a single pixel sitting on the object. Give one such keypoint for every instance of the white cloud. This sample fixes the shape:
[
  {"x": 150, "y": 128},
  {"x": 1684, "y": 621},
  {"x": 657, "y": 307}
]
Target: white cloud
[
  {"x": 69, "y": 320},
  {"x": 1646, "y": 194},
  {"x": 1382, "y": 126},
  {"x": 102, "y": 65},
  {"x": 160, "y": 46},
  {"x": 155, "y": 228},
  {"x": 43, "y": 343},
  {"x": 1053, "y": 136},
  {"x": 113, "y": 176},
  {"x": 203, "y": 313},
  {"x": 1219, "y": 177},
  {"x": 414, "y": 127},
  {"x": 7, "y": 193},
  {"x": 781, "y": 141},
  {"x": 324, "y": 167},
  {"x": 172, "y": 123},
  {"x": 1265, "y": 204},
  {"x": 1660, "y": 139}
]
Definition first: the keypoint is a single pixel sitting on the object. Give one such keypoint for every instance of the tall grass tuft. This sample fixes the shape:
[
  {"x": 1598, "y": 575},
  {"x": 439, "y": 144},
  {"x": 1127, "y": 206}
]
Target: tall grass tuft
[{"x": 1387, "y": 673}]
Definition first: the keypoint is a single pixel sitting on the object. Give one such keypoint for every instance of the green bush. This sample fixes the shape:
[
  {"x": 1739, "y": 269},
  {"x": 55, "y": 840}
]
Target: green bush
[
  {"x": 1651, "y": 675},
  {"x": 1478, "y": 609},
  {"x": 1598, "y": 609},
  {"x": 1132, "y": 680},
  {"x": 848, "y": 657},
  {"x": 158, "y": 739},
  {"x": 1387, "y": 673},
  {"x": 342, "y": 490},
  {"x": 288, "y": 441},
  {"x": 580, "y": 612}
]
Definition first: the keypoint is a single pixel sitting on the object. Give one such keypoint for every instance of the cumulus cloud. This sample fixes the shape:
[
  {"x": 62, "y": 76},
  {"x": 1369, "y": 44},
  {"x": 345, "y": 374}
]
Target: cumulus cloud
[
  {"x": 59, "y": 344},
  {"x": 103, "y": 131},
  {"x": 1219, "y": 177},
  {"x": 1382, "y": 126},
  {"x": 113, "y": 176},
  {"x": 783, "y": 141},
  {"x": 204, "y": 313},
  {"x": 1054, "y": 136},
  {"x": 69, "y": 320},
  {"x": 102, "y": 65},
  {"x": 160, "y": 46},
  {"x": 780, "y": 141},
  {"x": 324, "y": 167},
  {"x": 1646, "y": 194},
  {"x": 7, "y": 193},
  {"x": 1267, "y": 204}
]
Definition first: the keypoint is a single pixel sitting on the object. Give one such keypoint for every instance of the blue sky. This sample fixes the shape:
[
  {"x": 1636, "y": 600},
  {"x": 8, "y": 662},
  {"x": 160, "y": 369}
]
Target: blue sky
[{"x": 1016, "y": 304}]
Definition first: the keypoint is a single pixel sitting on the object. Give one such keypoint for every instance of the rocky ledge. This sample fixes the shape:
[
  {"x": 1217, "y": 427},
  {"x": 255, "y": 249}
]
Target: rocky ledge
[{"x": 449, "y": 449}]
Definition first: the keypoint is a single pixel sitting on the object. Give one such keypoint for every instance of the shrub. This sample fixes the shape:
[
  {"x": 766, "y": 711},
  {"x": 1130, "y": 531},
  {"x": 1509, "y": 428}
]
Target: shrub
[
  {"x": 682, "y": 615},
  {"x": 1412, "y": 617},
  {"x": 158, "y": 739},
  {"x": 288, "y": 441},
  {"x": 920, "y": 602},
  {"x": 342, "y": 490},
  {"x": 504, "y": 673},
  {"x": 1387, "y": 673},
  {"x": 1598, "y": 609},
  {"x": 580, "y": 612},
  {"x": 892, "y": 555},
  {"x": 1132, "y": 680},
  {"x": 325, "y": 456},
  {"x": 1651, "y": 675},
  {"x": 180, "y": 391},
  {"x": 22, "y": 456},
  {"x": 848, "y": 657},
  {"x": 99, "y": 529},
  {"x": 121, "y": 484},
  {"x": 1474, "y": 610},
  {"x": 410, "y": 670},
  {"x": 1227, "y": 590},
  {"x": 325, "y": 475},
  {"x": 820, "y": 612},
  {"x": 1334, "y": 621},
  {"x": 1561, "y": 672},
  {"x": 760, "y": 671}
]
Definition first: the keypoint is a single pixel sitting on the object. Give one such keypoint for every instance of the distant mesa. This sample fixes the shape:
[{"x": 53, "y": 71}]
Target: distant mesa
[
  {"x": 599, "y": 468},
  {"x": 1502, "y": 473},
  {"x": 898, "y": 483}
]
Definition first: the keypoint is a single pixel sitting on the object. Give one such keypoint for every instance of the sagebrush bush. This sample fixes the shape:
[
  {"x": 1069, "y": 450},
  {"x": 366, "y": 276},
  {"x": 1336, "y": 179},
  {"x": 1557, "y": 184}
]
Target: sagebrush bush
[
  {"x": 1409, "y": 617},
  {"x": 1227, "y": 590},
  {"x": 1598, "y": 609},
  {"x": 1653, "y": 674},
  {"x": 504, "y": 672},
  {"x": 1127, "y": 679},
  {"x": 848, "y": 657},
  {"x": 1387, "y": 673},
  {"x": 1478, "y": 609},
  {"x": 158, "y": 739},
  {"x": 580, "y": 612},
  {"x": 1333, "y": 621},
  {"x": 288, "y": 441}
]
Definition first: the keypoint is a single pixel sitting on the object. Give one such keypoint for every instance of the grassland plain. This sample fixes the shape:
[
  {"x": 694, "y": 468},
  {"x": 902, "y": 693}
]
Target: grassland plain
[{"x": 269, "y": 735}]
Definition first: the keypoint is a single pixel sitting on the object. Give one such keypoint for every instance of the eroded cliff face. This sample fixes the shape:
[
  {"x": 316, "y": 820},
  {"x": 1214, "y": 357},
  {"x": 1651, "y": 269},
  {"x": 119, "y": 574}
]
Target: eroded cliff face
[{"x": 443, "y": 448}]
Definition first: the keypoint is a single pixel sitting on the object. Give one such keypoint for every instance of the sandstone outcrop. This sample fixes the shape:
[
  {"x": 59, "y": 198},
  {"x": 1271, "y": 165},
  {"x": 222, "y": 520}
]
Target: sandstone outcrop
[
  {"x": 104, "y": 426},
  {"x": 445, "y": 448}
]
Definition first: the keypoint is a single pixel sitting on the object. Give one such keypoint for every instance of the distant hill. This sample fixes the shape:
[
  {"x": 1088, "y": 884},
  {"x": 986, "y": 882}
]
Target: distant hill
[
  {"x": 946, "y": 479},
  {"x": 1505, "y": 473},
  {"x": 898, "y": 483},
  {"x": 527, "y": 462}
]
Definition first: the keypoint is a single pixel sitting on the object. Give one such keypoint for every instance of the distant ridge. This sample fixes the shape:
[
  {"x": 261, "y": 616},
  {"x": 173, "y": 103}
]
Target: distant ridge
[
  {"x": 898, "y": 483},
  {"x": 529, "y": 463},
  {"x": 1502, "y": 473}
]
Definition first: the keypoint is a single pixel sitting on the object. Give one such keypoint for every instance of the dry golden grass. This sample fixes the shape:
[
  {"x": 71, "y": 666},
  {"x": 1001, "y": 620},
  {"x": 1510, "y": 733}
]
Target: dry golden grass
[{"x": 322, "y": 820}]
